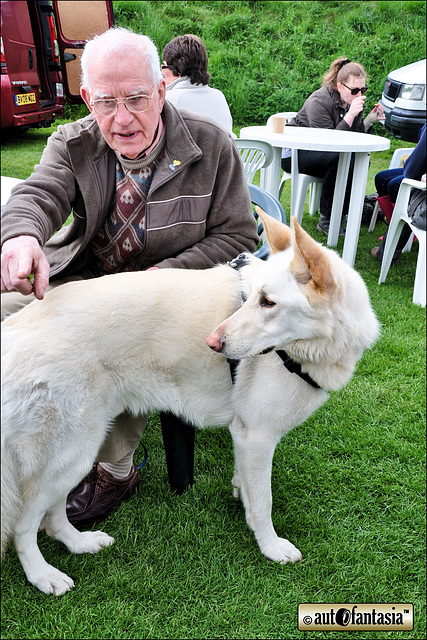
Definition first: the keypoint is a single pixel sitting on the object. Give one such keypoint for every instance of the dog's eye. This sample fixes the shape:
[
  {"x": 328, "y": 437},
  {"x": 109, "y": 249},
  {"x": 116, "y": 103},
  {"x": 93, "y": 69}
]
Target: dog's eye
[{"x": 265, "y": 302}]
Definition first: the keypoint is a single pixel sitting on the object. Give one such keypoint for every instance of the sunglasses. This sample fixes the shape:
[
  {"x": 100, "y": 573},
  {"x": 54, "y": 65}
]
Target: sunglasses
[
  {"x": 356, "y": 90},
  {"x": 167, "y": 66}
]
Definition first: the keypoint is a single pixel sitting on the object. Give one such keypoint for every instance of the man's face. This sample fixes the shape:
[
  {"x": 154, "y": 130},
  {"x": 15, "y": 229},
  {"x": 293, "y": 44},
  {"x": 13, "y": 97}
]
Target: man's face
[{"x": 119, "y": 77}]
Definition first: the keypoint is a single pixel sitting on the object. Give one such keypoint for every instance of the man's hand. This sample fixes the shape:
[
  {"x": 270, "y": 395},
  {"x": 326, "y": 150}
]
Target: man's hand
[{"x": 20, "y": 258}]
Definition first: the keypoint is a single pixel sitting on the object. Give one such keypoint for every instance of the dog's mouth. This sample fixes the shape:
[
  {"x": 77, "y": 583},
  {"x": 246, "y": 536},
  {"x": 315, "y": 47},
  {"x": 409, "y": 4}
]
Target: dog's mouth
[{"x": 266, "y": 350}]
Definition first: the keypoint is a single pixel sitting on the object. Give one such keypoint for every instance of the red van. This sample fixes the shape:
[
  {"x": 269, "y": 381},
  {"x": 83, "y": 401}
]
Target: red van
[{"x": 41, "y": 45}]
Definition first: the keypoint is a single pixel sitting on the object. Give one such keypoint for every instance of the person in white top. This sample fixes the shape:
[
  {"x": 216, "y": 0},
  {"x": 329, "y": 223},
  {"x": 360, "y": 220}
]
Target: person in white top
[{"x": 185, "y": 68}]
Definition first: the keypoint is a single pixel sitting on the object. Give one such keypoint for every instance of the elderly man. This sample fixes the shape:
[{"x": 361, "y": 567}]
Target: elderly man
[{"x": 149, "y": 187}]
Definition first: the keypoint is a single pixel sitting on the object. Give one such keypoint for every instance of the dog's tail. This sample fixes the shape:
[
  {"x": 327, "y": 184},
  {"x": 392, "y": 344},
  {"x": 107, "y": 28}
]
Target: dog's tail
[{"x": 11, "y": 504}]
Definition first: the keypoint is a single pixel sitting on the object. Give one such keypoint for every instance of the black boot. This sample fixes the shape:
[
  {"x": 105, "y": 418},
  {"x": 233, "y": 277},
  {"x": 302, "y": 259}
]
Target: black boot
[{"x": 323, "y": 226}]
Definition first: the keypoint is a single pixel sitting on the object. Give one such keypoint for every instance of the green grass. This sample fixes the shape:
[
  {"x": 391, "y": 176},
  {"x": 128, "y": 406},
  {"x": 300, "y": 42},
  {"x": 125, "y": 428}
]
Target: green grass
[{"x": 348, "y": 485}]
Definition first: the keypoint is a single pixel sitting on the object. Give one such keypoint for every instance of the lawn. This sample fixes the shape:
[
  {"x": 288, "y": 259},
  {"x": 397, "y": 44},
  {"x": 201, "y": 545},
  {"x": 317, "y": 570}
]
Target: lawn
[{"x": 348, "y": 490}]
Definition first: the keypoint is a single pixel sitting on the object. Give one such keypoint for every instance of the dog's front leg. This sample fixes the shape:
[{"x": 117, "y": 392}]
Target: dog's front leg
[
  {"x": 39, "y": 572},
  {"x": 253, "y": 450},
  {"x": 58, "y": 526}
]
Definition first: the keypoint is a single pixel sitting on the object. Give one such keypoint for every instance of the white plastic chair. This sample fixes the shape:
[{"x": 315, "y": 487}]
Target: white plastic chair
[
  {"x": 255, "y": 155},
  {"x": 305, "y": 182},
  {"x": 270, "y": 205},
  {"x": 283, "y": 114},
  {"x": 398, "y": 219},
  {"x": 396, "y": 161}
]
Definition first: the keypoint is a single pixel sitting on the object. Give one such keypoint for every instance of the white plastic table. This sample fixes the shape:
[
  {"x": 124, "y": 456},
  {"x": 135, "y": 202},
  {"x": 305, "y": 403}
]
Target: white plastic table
[{"x": 343, "y": 142}]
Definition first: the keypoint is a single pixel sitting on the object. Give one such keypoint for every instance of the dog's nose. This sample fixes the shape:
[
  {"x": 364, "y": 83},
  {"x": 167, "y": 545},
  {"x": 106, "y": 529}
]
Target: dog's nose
[{"x": 214, "y": 342}]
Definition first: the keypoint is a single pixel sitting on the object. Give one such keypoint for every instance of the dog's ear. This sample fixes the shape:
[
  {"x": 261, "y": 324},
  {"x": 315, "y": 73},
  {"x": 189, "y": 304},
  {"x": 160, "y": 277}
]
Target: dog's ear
[
  {"x": 278, "y": 234},
  {"x": 310, "y": 263}
]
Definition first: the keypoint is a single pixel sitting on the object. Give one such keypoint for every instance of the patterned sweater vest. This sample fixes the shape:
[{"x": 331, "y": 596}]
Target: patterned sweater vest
[{"x": 121, "y": 238}]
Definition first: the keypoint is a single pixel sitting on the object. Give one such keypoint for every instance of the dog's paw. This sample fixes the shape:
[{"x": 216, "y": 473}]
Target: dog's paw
[
  {"x": 90, "y": 542},
  {"x": 282, "y": 551},
  {"x": 53, "y": 582}
]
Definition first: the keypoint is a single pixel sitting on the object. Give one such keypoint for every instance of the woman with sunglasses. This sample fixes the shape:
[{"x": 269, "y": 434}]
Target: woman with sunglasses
[{"x": 338, "y": 104}]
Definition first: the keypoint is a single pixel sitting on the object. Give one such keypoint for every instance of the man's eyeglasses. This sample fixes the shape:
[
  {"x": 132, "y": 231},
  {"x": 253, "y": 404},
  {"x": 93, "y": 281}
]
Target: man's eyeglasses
[
  {"x": 356, "y": 90},
  {"x": 109, "y": 106}
]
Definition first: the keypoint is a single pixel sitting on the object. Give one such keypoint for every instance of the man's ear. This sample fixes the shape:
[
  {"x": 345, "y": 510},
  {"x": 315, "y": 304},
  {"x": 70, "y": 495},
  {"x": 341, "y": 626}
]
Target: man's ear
[
  {"x": 85, "y": 94},
  {"x": 162, "y": 93}
]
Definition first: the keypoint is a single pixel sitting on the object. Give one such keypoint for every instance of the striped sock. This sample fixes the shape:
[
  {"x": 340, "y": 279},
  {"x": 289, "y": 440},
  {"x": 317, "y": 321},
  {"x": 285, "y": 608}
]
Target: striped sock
[{"x": 120, "y": 469}]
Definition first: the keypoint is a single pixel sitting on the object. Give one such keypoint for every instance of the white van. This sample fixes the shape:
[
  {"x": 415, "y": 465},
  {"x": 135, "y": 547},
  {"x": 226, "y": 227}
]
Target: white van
[{"x": 404, "y": 101}]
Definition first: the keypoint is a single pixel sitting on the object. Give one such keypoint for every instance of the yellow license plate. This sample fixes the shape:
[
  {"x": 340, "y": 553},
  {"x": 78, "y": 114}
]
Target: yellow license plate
[{"x": 25, "y": 98}]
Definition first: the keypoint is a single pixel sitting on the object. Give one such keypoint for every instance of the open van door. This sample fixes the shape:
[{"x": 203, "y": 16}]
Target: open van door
[
  {"x": 41, "y": 45},
  {"x": 76, "y": 22}
]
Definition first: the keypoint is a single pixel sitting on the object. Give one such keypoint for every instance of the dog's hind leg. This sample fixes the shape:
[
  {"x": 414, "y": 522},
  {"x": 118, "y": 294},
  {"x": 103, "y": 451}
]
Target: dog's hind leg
[
  {"x": 41, "y": 574},
  {"x": 57, "y": 526},
  {"x": 254, "y": 450}
]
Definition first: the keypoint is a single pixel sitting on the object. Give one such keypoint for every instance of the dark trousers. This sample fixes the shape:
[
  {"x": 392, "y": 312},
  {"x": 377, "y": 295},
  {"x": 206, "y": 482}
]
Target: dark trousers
[
  {"x": 387, "y": 183},
  {"x": 178, "y": 440},
  {"x": 323, "y": 164}
]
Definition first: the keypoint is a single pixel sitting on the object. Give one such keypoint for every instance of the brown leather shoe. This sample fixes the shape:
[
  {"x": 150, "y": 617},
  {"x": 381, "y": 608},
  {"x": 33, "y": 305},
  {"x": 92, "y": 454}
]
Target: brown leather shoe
[{"x": 98, "y": 495}]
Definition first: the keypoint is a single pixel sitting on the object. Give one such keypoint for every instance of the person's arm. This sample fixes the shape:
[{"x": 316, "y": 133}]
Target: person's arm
[
  {"x": 375, "y": 115},
  {"x": 318, "y": 114},
  {"x": 41, "y": 204},
  {"x": 415, "y": 165},
  {"x": 37, "y": 208},
  {"x": 356, "y": 107}
]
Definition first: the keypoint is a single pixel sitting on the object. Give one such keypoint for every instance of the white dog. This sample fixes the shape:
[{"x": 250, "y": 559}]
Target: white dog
[{"x": 137, "y": 342}]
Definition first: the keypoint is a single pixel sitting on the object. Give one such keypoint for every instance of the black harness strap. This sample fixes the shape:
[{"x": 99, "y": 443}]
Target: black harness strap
[
  {"x": 291, "y": 365},
  {"x": 295, "y": 367},
  {"x": 233, "y": 368}
]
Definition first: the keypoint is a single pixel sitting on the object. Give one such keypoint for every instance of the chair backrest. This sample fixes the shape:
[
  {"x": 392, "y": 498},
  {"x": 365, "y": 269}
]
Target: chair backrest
[
  {"x": 398, "y": 218},
  {"x": 284, "y": 114},
  {"x": 270, "y": 205},
  {"x": 255, "y": 155},
  {"x": 399, "y": 157}
]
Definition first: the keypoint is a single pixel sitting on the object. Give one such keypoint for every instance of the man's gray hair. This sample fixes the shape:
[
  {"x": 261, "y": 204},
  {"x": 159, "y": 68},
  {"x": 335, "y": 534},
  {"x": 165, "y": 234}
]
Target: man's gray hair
[{"x": 120, "y": 40}]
